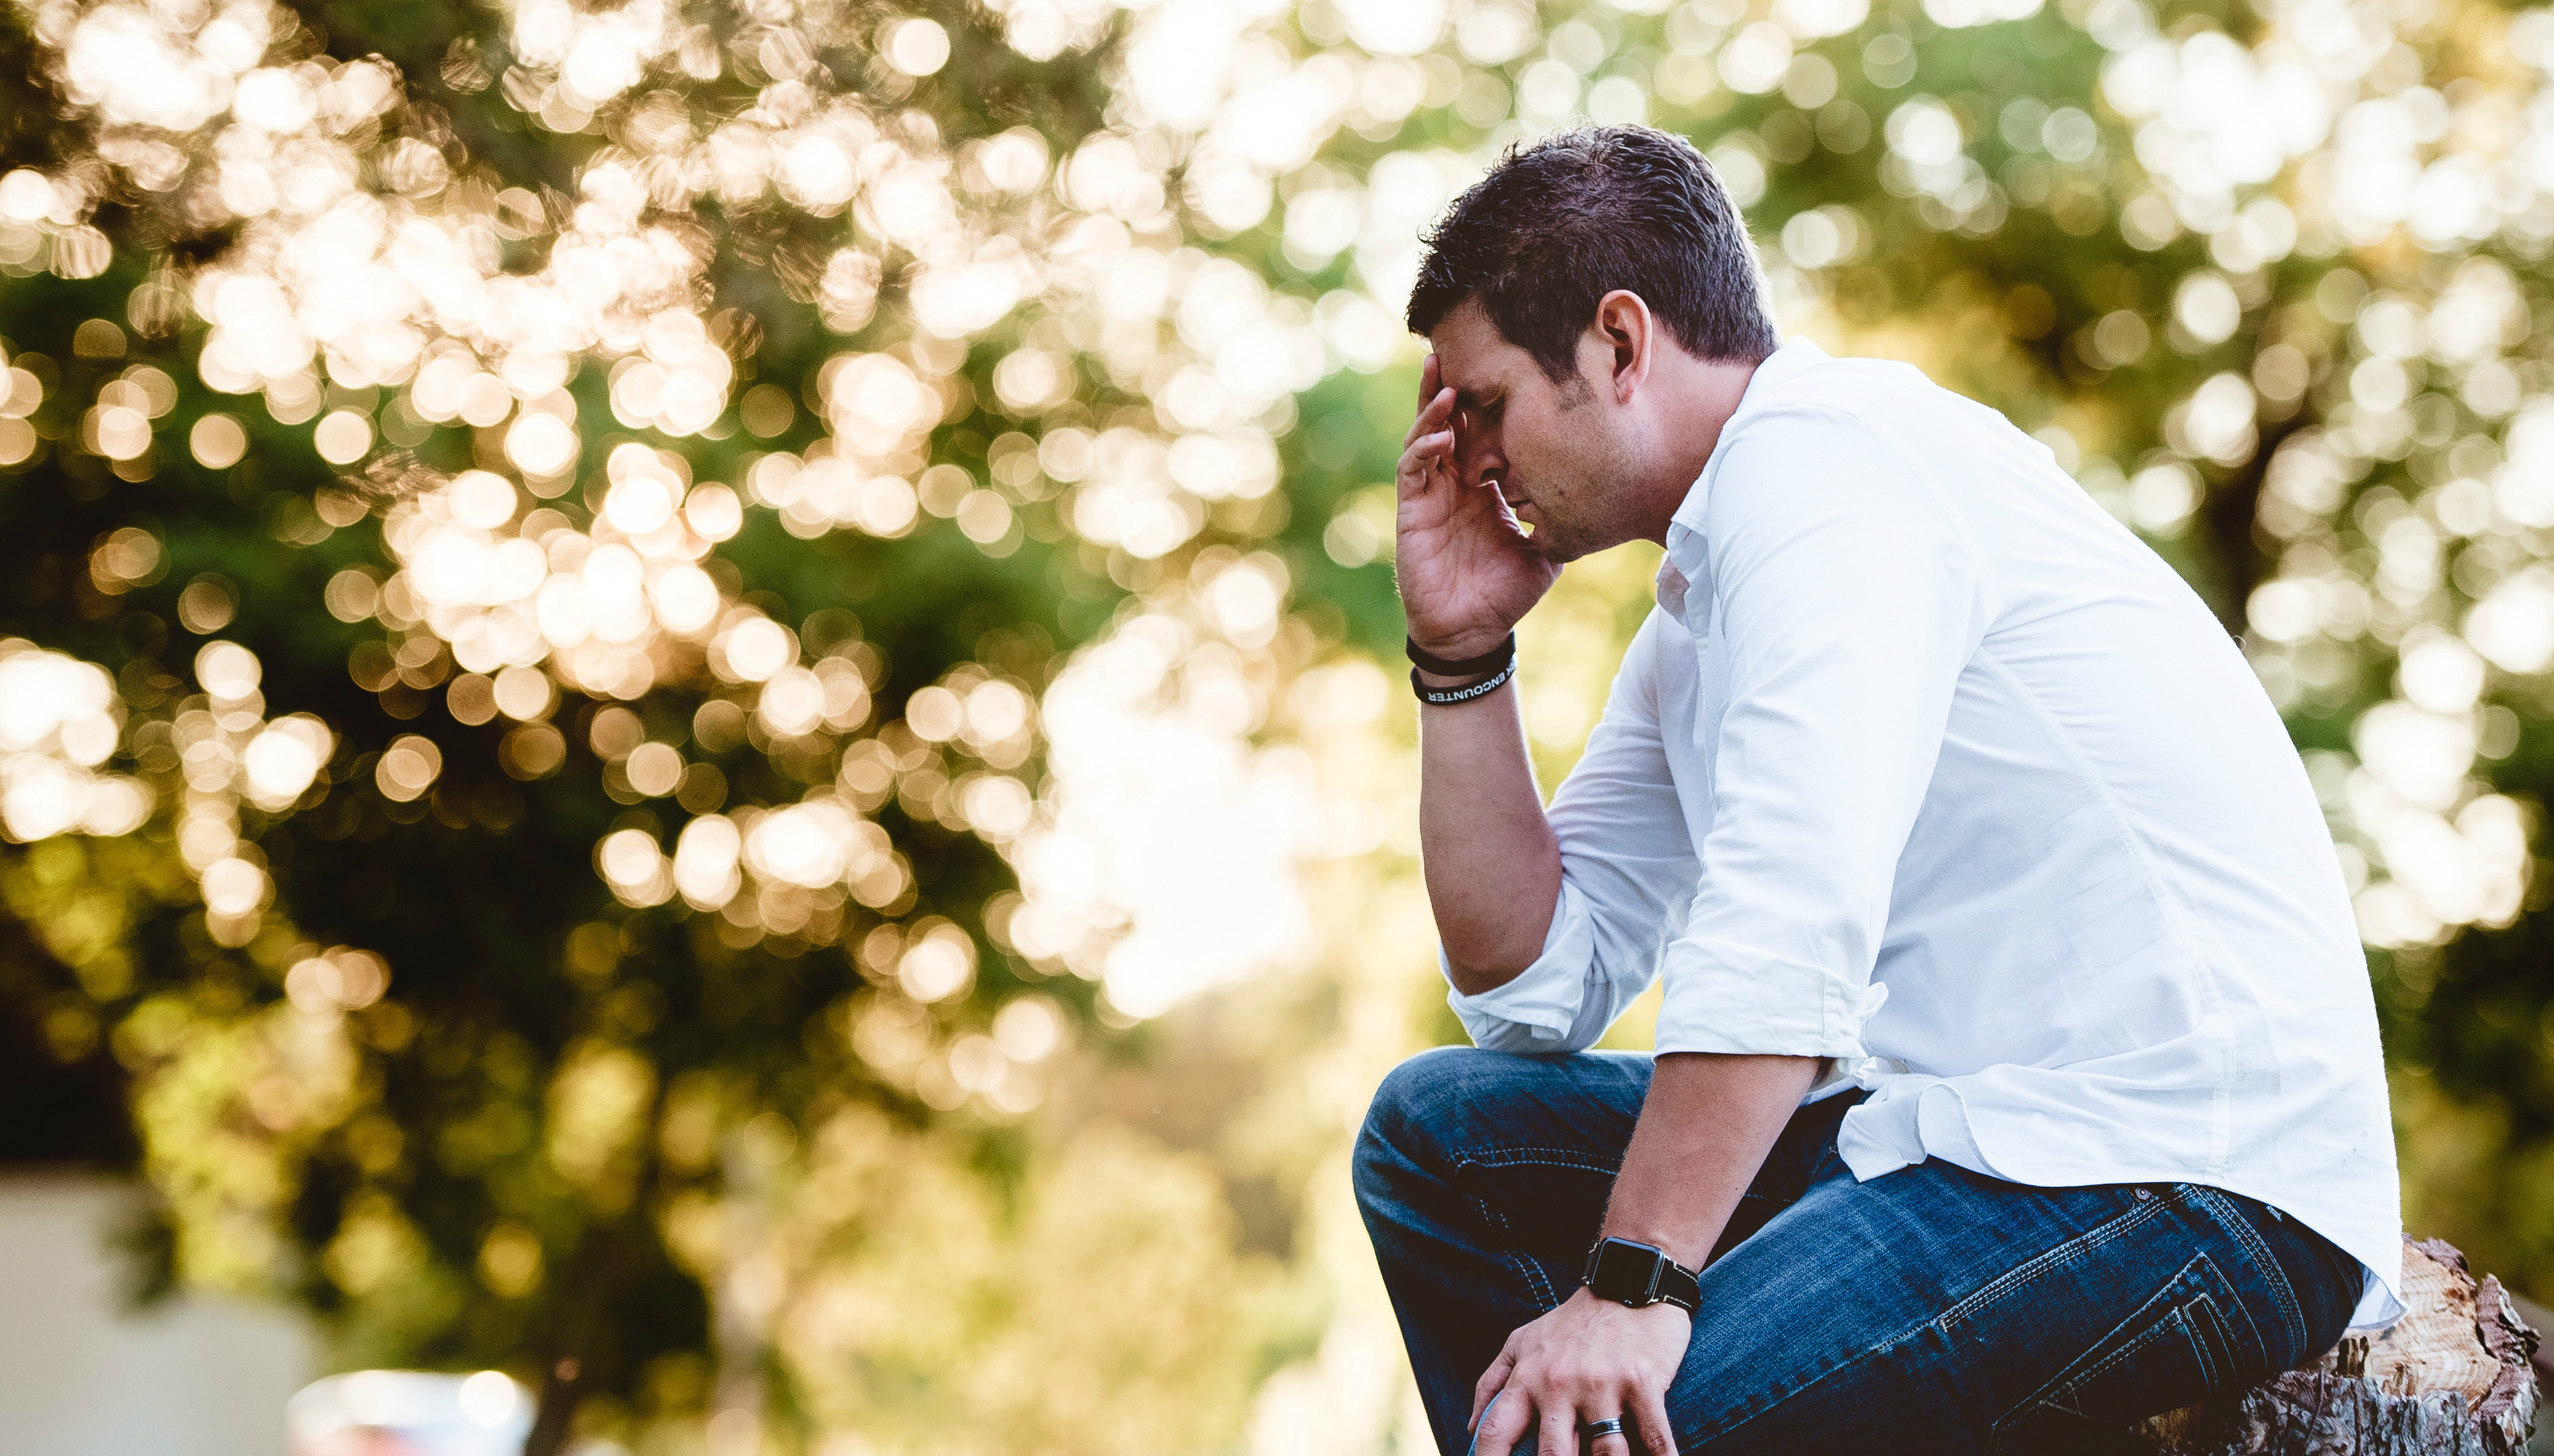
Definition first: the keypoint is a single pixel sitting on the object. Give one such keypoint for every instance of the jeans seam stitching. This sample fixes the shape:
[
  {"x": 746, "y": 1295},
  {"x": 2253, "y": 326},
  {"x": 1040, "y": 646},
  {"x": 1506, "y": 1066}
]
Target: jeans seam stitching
[
  {"x": 1805, "y": 1387},
  {"x": 1529, "y": 1271},
  {"x": 2254, "y": 1244},
  {"x": 2073, "y": 1379},
  {"x": 1550, "y": 1158},
  {"x": 1562, "y": 1158},
  {"x": 2064, "y": 1254},
  {"x": 2070, "y": 1250},
  {"x": 2178, "y": 1314},
  {"x": 2217, "y": 1380}
]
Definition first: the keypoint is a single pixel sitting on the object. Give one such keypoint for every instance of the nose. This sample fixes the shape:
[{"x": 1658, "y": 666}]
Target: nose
[{"x": 1477, "y": 455}]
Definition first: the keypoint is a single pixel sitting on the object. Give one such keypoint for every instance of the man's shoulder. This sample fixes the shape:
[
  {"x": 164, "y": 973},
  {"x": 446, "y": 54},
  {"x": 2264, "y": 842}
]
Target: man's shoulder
[
  {"x": 1863, "y": 415},
  {"x": 1894, "y": 411},
  {"x": 1850, "y": 387}
]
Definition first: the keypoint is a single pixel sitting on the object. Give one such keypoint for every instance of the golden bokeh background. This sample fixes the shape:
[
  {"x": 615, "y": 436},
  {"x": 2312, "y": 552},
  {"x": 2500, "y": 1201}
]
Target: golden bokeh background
[{"x": 700, "y": 696}]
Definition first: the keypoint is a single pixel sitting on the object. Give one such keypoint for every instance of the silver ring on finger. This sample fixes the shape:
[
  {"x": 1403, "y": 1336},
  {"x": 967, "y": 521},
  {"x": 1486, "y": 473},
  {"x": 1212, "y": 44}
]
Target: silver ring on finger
[{"x": 1598, "y": 1431}]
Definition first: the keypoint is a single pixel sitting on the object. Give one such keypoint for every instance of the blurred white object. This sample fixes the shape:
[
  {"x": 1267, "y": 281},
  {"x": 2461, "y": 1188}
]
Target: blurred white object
[
  {"x": 80, "y": 1375},
  {"x": 409, "y": 1413}
]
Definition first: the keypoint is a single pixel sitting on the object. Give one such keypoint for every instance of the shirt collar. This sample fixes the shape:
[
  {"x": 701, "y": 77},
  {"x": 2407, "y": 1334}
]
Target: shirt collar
[{"x": 1684, "y": 562}]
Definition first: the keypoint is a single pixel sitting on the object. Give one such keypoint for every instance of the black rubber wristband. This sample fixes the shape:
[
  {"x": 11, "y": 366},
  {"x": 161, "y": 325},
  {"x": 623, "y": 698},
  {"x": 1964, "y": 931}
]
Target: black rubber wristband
[
  {"x": 1490, "y": 661},
  {"x": 1461, "y": 692}
]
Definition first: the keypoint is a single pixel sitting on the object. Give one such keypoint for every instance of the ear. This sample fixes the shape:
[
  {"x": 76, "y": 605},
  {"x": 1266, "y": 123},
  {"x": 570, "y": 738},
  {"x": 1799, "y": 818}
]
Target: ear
[{"x": 1626, "y": 334}]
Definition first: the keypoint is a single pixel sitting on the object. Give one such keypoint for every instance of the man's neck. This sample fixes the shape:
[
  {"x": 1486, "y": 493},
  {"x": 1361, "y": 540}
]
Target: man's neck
[{"x": 1695, "y": 399}]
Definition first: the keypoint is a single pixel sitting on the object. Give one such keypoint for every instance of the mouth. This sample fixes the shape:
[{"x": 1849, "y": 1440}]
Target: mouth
[{"x": 1520, "y": 507}]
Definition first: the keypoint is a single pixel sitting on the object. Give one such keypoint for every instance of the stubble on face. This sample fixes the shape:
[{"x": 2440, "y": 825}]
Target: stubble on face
[
  {"x": 1570, "y": 485},
  {"x": 1558, "y": 463}
]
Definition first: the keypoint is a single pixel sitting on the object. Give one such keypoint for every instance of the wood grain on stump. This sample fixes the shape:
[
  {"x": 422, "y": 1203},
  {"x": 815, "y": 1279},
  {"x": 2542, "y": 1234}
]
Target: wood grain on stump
[{"x": 2452, "y": 1378}]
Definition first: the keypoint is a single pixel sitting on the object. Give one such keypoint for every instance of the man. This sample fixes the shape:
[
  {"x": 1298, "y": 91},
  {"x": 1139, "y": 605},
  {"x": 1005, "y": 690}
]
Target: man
[{"x": 2017, "y": 1076}]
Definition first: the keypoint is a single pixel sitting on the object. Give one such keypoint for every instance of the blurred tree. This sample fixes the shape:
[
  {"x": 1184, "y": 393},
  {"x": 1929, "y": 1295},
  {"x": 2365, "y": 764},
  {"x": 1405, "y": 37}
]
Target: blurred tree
[
  {"x": 568, "y": 702},
  {"x": 632, "y": 617}
]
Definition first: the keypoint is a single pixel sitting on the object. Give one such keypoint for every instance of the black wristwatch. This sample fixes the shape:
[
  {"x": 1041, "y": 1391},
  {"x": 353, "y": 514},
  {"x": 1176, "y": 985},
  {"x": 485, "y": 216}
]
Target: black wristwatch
[{"x": 1640, "y": 1275}]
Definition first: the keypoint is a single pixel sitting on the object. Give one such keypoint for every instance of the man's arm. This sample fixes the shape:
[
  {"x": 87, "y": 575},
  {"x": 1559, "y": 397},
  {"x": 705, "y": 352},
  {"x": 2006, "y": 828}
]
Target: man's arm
[
  {"x": 1491, "y": 862},
  {"x": 1704, "y": 1132},
  {"x": 1851, "y": 601},
  {"x": 1467, "y": 573},
  {"x": 1494, "y": 868},
  {"x": 1627, "y": 871}
]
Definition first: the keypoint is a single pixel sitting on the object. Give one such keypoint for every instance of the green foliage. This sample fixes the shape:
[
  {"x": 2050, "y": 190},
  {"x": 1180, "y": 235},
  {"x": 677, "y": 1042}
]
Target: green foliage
[{"x": 960, "y": 368}]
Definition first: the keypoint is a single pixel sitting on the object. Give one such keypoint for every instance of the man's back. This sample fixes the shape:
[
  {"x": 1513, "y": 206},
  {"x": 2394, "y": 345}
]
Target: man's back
[
  {"x": 2110, "y": 770},
  {"x": 2117, "y": 946}
]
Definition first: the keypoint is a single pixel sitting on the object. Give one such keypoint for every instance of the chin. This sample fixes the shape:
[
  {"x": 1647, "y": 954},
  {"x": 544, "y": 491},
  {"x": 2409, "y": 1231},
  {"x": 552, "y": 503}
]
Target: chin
[{"x": 1556, "y": 547}]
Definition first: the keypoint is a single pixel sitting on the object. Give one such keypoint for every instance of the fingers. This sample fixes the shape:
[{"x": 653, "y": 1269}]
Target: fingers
[
  {"x": 1559, "y": 1430},
  {"x": 1650, "y": 1419},
  {"x": 1430, "y": 379},
  {"x": 1436, "y": 414},
  {"x": 1618, "y": 1444},
  {"x": 1426, "y": 455},
  {"x": 1492, "y": 1379},
  {"x": 1504, "y": 1422}
]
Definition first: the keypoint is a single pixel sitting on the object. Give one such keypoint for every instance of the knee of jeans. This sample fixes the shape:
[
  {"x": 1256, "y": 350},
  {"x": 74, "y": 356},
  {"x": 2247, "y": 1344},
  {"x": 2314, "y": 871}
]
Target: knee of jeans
[{"x": 1409, "y": 1111}]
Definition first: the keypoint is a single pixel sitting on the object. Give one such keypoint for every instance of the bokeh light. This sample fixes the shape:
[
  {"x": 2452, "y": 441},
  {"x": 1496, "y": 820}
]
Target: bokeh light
[{"x": 904, "y": 524}]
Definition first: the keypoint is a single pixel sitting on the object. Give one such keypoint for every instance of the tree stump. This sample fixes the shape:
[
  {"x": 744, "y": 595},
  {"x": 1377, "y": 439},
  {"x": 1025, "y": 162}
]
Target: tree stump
[{"x": 2454, "y": 1377}]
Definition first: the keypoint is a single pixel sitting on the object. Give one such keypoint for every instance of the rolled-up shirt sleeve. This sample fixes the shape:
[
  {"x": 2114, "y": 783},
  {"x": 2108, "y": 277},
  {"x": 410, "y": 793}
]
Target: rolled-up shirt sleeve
[
  {"x": 1627, "y": 873},
  {"x": 1849, "y": 598}
]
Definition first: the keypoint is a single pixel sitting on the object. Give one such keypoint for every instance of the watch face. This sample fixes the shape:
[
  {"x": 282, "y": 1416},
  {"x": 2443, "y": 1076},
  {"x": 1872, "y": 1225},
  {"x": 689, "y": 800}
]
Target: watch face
[{"x": 1623, "y": 1272}]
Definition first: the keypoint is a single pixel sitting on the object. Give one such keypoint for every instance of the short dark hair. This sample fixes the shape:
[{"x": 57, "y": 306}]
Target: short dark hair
[{"x": 1557, "y": 224}]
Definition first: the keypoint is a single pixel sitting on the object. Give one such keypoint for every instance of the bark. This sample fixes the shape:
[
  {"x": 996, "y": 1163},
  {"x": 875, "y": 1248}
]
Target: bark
[
  {"x": 2455, "y": 1377},
  {"x": 2228, "y": 519},
  {"x": 556, "y": 1419}
]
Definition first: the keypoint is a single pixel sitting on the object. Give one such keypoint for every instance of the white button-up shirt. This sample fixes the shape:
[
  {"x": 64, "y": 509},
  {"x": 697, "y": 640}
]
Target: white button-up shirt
[{"x": 1927, "y": 765}]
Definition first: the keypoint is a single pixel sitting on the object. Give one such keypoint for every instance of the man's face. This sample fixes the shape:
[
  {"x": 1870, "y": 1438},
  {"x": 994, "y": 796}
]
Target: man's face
[{"x": 1556, "y": 451}]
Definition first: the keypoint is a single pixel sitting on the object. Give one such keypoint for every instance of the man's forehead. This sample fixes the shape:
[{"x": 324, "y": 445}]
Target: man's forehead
[{"x": 1473, "y": 358}]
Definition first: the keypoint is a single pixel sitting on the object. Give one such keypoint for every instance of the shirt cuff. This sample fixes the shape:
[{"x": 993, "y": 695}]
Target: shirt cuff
[
  {"x": 1734, "y": 1001},
  {"x": 1545, "y": 998}
]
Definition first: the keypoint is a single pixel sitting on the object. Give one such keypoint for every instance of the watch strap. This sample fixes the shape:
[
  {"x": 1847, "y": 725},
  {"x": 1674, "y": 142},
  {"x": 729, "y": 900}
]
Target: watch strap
[
  {"x": 1639, "y": 1275},
  {"x": 1680, "y": 1285}
]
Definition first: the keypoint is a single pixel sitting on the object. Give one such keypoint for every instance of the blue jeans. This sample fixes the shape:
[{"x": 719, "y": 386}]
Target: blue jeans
[{"x": 1929, "y": 1309}]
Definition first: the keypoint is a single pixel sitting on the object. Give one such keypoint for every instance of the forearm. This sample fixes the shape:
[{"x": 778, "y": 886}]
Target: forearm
[
  {"x": 1491, "y": 862},
  {"x": 1467, "y": 573},
  {"x": 1702, "y": 1134}
]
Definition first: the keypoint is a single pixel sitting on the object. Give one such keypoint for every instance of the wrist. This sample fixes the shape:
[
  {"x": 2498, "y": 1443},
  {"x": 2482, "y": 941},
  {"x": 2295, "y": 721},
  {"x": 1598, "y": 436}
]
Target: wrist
[
  {"x": 1460, "y": 645},
  {"x": 1446, "y": 682},
  {"x": 1680, "y": 1249},
  {"x": 1638, "y": 1275}
]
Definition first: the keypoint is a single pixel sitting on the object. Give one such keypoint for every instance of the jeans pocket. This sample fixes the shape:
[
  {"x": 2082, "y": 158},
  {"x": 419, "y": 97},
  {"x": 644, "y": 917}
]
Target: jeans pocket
[{"x": 2176, "y": 1351}]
